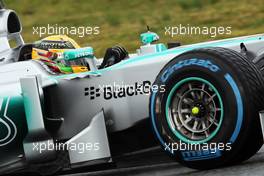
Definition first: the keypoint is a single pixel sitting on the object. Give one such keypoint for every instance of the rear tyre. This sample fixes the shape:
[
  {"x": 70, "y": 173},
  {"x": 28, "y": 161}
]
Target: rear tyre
[{"x": 207, "y": 116}]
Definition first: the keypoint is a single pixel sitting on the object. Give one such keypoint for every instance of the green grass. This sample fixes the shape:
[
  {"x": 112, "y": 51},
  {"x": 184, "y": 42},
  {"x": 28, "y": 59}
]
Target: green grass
[{"x": 121, "y": 22}]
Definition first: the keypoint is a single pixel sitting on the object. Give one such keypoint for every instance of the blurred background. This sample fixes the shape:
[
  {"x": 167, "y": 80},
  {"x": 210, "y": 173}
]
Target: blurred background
[{"x": 121, "y": 22}]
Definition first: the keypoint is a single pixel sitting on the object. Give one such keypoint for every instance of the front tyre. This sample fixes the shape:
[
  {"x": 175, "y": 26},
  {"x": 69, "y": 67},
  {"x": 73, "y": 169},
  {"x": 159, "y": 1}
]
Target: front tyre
[{"x": 207, "y": 116}]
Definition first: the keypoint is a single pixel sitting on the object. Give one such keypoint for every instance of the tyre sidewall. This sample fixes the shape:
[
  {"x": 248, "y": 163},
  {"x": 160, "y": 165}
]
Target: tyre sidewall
[{"x": 231, "y": 89}]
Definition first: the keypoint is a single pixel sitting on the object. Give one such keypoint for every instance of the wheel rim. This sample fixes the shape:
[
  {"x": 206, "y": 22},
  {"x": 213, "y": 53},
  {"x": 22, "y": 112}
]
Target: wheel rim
[{"x": 194, "y": 110}]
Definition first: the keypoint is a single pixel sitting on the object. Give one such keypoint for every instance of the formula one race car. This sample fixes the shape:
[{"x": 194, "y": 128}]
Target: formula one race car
[{"x": 203, "y": 100}]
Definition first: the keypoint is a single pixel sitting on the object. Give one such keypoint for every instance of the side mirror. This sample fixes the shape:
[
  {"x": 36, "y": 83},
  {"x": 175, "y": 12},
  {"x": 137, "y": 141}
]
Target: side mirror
[
  {"x": 10, "y": 26},
  {"x": 10, "y": 29}
]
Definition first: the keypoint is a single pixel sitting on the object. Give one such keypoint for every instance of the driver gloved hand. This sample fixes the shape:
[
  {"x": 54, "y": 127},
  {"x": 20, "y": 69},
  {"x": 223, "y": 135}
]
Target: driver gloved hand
[{"x": 113, "y": 55}]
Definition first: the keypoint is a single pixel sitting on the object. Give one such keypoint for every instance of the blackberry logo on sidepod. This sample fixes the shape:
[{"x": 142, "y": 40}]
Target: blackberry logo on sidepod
[
  {"x": 92, "y": 92},
  {"x": 126, "y": 90},
  {"x": 116, "y": 91}
]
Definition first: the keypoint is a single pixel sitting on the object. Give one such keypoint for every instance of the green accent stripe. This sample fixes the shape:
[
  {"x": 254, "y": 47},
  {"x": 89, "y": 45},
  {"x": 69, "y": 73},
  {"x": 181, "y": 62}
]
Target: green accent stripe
[{"x": 171, "y": 51}]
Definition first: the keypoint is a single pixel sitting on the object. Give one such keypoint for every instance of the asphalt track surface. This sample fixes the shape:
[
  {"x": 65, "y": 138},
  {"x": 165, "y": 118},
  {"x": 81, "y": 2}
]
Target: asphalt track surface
[{"x": 153, "y": 162}]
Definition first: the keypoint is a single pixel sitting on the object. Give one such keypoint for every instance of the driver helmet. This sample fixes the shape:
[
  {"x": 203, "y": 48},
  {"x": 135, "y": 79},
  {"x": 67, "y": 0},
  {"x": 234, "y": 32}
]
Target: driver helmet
[
  {"x": 49, "y": 51},
  {"x": 52, "y": 47}
]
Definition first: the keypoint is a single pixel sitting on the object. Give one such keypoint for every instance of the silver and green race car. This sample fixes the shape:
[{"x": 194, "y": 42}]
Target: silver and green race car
[{"x": 202, "y": 102}]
